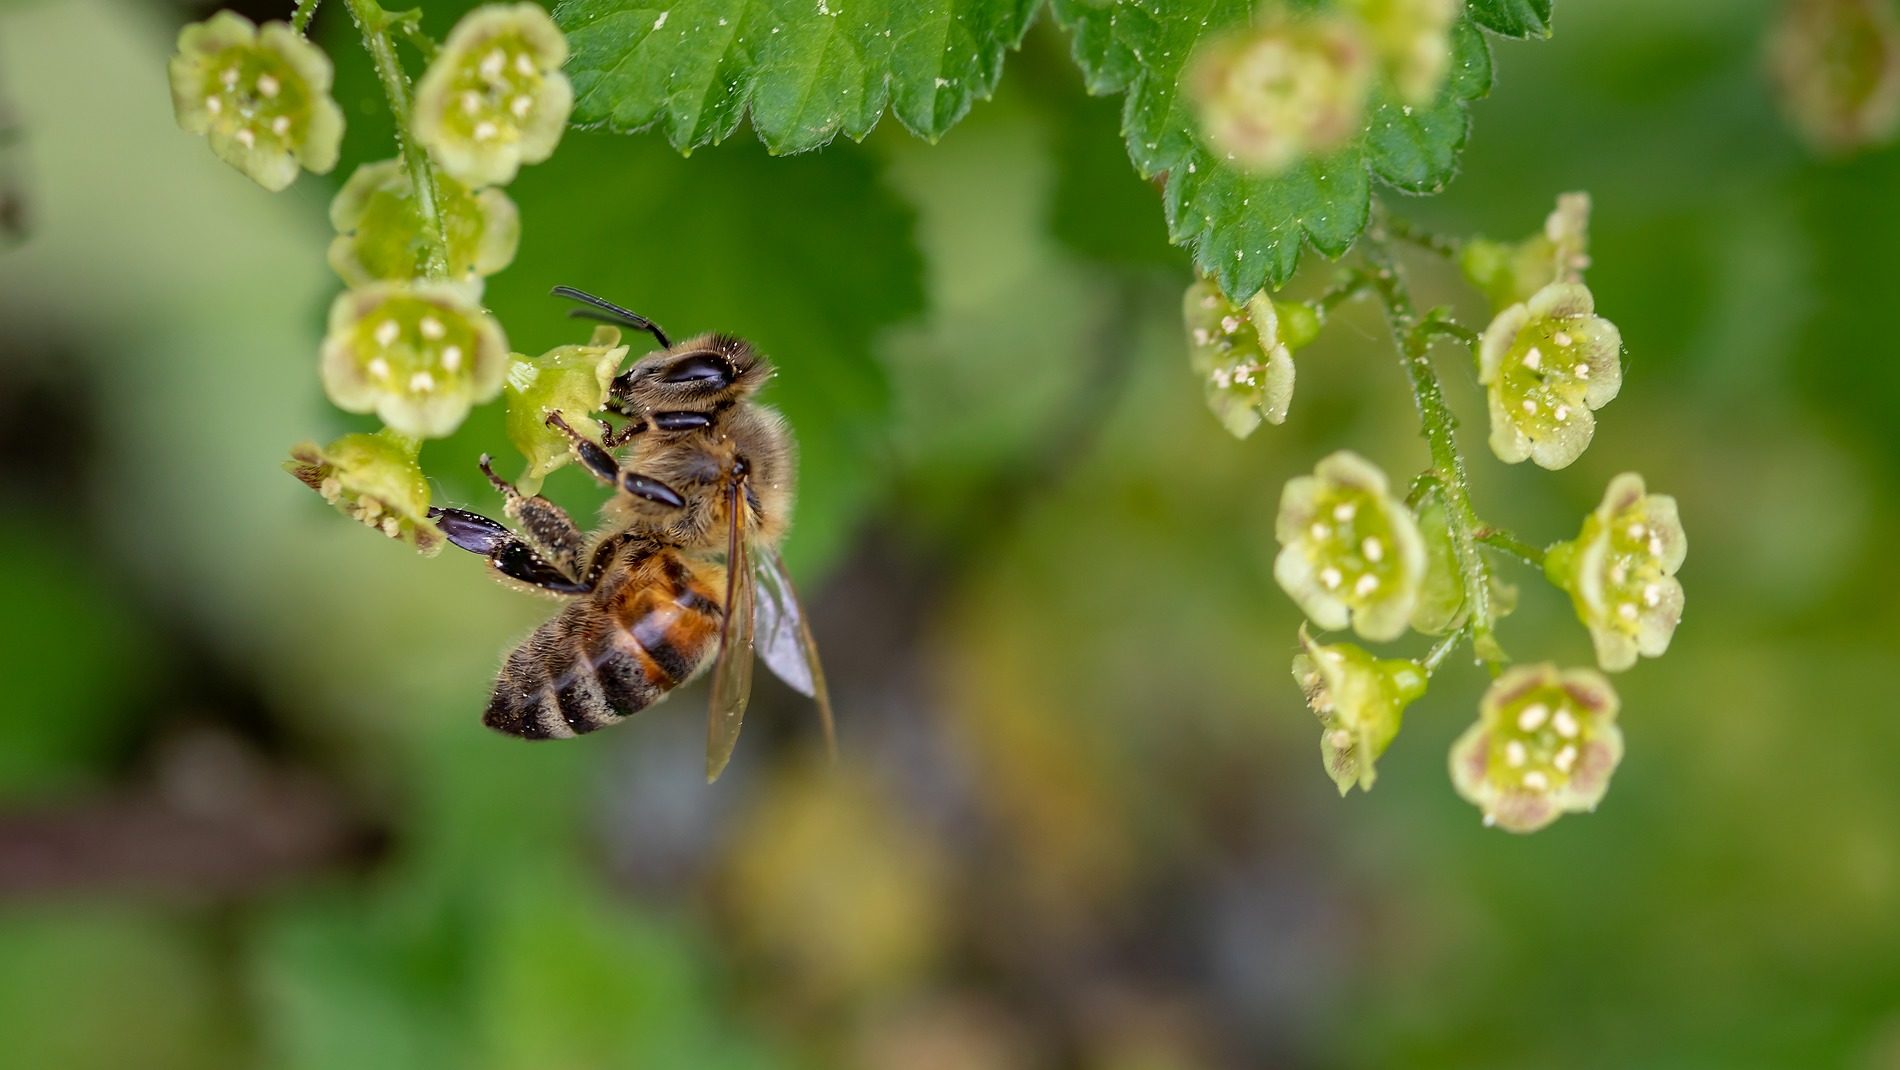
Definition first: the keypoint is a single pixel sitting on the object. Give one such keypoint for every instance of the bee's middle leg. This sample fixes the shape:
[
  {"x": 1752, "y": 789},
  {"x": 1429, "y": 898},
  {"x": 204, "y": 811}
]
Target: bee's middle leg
[{"x": 604, "y": 468}]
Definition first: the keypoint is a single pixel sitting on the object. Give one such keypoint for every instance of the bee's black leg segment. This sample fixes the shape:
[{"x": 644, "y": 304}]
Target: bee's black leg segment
[
  {"x": 611, "y": 438},
  {"x": 507, "y": 489},
  {"x": 650, "y": 489},
  {"x": 471, "y": 531},
  {"x": 592, "y": 457},
  {"x": 518, "y": 561}
]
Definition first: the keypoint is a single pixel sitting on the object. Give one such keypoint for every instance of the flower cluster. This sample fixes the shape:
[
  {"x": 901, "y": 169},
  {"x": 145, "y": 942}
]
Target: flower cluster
[
  {"x": 416, "y": 236},
  {"x": 1244, "y": 353},
  {"x": 1413, "y": 41},
  {"x": 261, "y": 97},
  {"x": 1352, "y": 555}
]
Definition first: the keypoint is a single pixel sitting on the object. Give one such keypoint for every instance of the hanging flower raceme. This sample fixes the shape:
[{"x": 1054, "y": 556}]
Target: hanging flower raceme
[
  {"x": 1511, "y": 272},
  {"x": 1545, "y": 745},
  {"x": 1349, "y": 553},
  {"x": 1244, "y": 353},
  {"x": 416, "y": 354},
  {"x": 261, "y": 97},
  {"x": 1412, "y": 39},
  {"x": 1278, "y": 93},
  {"x": 1546, "y": 364},
  {"x": 1621, "y": 572},
  {"x": 373, "y": 479},
  {"x": 570, "y": 380},
  {"x": 1360, "y": 701},
  {"x": 495, "y": 97},
  {"x": 381, "y": 234}
]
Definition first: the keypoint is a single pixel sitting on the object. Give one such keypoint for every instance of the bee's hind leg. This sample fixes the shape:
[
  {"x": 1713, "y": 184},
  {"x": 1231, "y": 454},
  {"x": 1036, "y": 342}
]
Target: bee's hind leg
[
  {"x": 507, "y": 552},
  {"x": 544, "y": 525}
]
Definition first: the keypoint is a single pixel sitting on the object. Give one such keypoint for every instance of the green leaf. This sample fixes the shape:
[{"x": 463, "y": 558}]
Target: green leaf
[
  {"x": 1247, "y": 229},
  {"x": 1511, "y": 18},
  {"x": 805, "y": 69}
]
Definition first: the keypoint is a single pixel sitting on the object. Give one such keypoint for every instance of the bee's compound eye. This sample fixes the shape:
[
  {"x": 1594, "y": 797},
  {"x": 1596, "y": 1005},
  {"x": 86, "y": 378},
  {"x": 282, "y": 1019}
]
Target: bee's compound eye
[{"x": 710, "y": 369}]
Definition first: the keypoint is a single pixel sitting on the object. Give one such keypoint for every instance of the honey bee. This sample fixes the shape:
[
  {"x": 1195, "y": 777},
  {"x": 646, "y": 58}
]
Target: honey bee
[{"x": 683, "y": 570}]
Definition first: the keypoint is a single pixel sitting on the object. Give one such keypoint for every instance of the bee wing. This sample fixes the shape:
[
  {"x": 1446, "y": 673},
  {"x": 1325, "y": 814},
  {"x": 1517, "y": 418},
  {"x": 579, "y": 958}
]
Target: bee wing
[
  {"x": 783, "y": 638},
  {"x": 732, "y": 672}
]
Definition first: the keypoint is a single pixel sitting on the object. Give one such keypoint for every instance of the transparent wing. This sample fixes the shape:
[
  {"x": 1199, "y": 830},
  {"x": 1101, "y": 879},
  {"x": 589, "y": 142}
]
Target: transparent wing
[
  {"x": 783, "y": 637},
  {"x": 732, "y": 672}
]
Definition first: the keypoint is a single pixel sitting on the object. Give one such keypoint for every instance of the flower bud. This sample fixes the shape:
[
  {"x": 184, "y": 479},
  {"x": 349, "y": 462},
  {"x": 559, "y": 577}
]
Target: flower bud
[
  {"x": 1360, "y": 701},
  {"x": 261, "y": 97},
  {"x": 1510, "y": 272},
  {"x": 1621, "y": 572},
  {"x": 1412, "y": 39},
  {"x": 1837, "y": 66},
  {"x": 1544, "y": 745}
]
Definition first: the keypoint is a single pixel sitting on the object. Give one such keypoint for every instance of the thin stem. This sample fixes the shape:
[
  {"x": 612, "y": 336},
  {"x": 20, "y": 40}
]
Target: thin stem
[
  {"x": 1349, "y": 287},
  {"x": 1435, "y": 326},
  {"x": 1412, "y": 234},
  {"x": 373, "y": 22},
  {"x": 1436, "y": 423},
  {"x": 1442, "y": 649},
  {"x": 300, "y": 18},
  {"x": 409, "y": 24},
  {"x": 1499, "y": 539}
]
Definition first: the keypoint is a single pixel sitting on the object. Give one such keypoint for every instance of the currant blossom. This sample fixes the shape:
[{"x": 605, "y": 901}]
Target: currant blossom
[
  {"x": 261, "y": 97},
  {"x": 1510, "y": 272},
  {"x": 494, "y": 98},
  {"x": 1348, "y": 551},
  {"x": 374, "y": 479},
  {"x": 1413, "y": 41},
  {"x": 1281, "y": 92},
  {"x": 416, "y": 354},
  {"x": 1544, "y": 745},
  {"x": 1547, "y": 363},
  {"x": 1621, "y": 572},
  {"x": 570, "y": 380},
  {"x": 1244, "y": 353}
]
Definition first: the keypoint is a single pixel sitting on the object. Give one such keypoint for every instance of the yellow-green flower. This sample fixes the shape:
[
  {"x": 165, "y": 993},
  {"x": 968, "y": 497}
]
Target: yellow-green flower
[
  {"x": 261, "y": 97},
  {"x": 1349, "y": 553},
  {"x": 1413, "y": 41},
  {"x": 1621, "y": 572},
  {"x": 416, "y": 354},
  {"x": 1360, "y": 701},
  {"x": 1544, "y": 745},
  {"x": 494, "y": 98},
  {"x": 570, "y": 380},
  {"x": 1244, "y": 353},
  {"x": 373, "y": 479},
  {"x": 380, "y": 234},
  {"x": 1283, "y": 91},
  {"x": 1546, "y": 364}
]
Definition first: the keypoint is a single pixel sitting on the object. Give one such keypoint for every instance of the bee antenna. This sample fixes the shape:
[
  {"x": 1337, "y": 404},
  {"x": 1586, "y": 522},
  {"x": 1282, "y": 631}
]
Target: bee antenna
[{"x": 611, "y": 313}]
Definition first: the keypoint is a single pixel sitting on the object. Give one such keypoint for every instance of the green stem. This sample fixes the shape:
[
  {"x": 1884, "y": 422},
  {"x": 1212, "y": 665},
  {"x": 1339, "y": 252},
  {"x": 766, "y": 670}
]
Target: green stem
[
  {"x": 1442, "y": 649},
  {"x": 1412, "y": 234},
  {"x": 1436, "y": 423},
  {"x": 300, "y": 18},
  {"x": 373, "y": 22},
  {"x": 1351, "y": 286},
  {"x": 1499, "y": 539}
]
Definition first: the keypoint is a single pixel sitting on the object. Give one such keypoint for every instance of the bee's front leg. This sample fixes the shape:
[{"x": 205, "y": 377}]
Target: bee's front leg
[{"x": 608, "y": 471}]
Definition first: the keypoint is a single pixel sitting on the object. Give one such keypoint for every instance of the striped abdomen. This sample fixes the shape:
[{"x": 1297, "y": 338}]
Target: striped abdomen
[{"x": 609, "y": 654}]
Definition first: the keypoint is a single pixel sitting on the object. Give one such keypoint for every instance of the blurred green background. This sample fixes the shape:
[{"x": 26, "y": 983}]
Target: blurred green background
[{"x": 248, "y": 816}]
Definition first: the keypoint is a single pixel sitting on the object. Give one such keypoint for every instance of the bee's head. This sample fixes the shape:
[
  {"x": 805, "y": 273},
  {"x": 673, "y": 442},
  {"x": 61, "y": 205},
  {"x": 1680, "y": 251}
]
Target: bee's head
[{"x": 696, "y": 375}]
